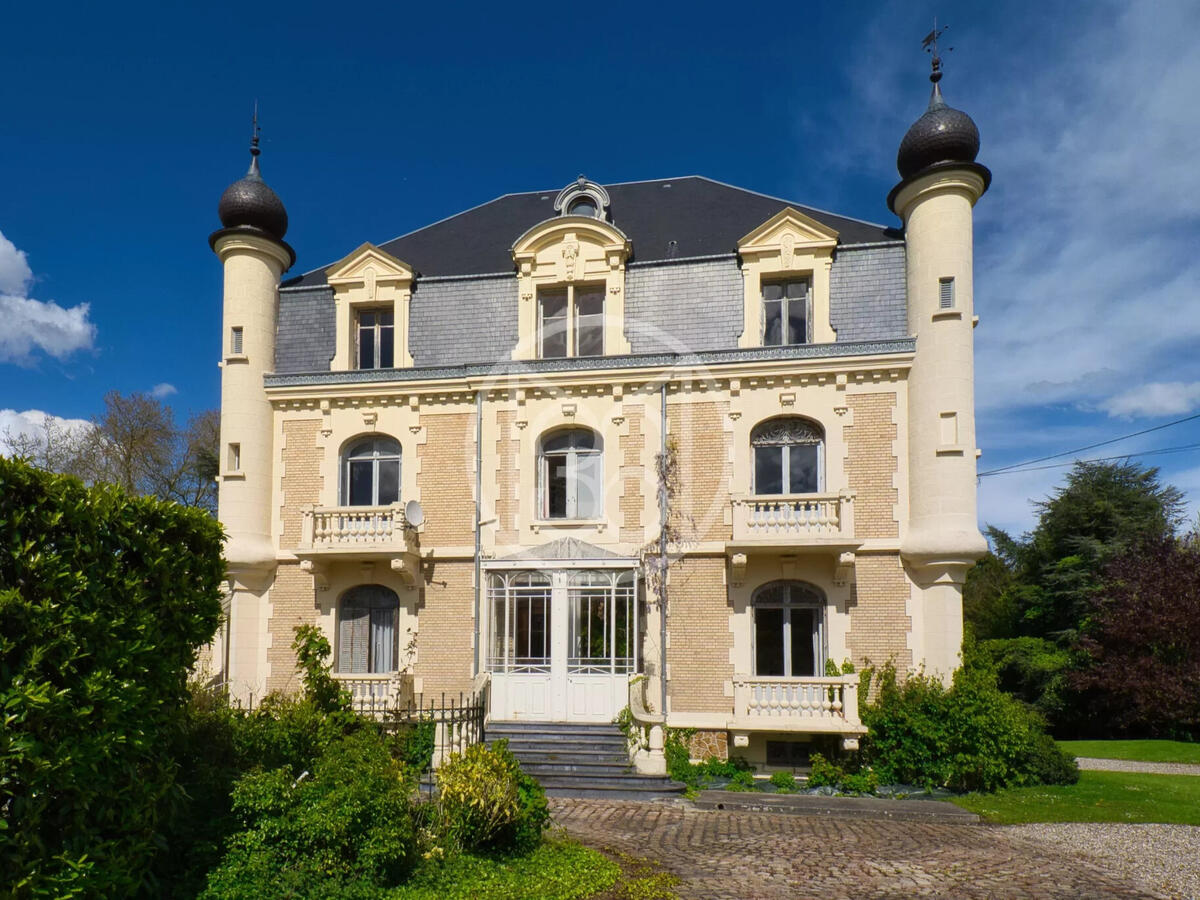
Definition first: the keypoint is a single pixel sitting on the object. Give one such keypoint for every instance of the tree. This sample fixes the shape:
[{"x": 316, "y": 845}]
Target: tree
[
  {"x": 135, "y": 444},
  {"x": 1143, "y": 642},
  {"x": 1103, "y": 510}
]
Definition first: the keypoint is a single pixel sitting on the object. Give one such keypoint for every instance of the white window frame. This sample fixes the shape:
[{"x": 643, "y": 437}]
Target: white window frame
[
  {"x": 816, "y": 602},
  {"x": 376, "y": 335},
  {"x": 376, "y": 456},
  {"x": 511, "y": 590},
  {"x": 783, "y": 309},
  {"x": 817, "y": 439},
  {"x": 379, "y": 598},
  {"x": 572, "y": 454},
  {"x": 572, "y": 318}
]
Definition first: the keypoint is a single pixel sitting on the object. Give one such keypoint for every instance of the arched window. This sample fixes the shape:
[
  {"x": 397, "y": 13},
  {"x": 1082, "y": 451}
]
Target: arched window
[
  {"x": 570, "y": 475},
  {"x": 371, "y": 473},
  {"x": 789, "y": 630},
  {"x": 367, "y": 630},
  {"x": 788, "y": 456}
]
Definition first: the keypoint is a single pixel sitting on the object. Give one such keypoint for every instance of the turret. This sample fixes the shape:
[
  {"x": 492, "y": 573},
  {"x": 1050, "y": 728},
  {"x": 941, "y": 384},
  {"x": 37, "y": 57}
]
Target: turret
[
  {"x": 940, "y": 184},
  {"x": 252, "y": 250}
]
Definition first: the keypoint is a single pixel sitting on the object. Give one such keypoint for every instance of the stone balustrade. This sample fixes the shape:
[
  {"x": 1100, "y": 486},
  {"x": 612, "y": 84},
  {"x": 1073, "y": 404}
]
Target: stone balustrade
[
  {"x": 798, "y": 704},
  {"x": 794, "y": 518}
]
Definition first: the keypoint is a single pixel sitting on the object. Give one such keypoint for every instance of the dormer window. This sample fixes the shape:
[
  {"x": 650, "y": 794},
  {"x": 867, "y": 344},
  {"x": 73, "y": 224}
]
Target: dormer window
[
  {"x": 584, "y": 206},
  {"x": 583, "y": 198},
  {"x": 571, "y": 321}
]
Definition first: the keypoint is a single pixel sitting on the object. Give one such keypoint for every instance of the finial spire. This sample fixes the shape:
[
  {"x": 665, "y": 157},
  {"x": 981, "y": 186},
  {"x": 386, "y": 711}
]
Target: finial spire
[
  {"x": 254, "y": 149},
  {"x": 930, "y": 43}
]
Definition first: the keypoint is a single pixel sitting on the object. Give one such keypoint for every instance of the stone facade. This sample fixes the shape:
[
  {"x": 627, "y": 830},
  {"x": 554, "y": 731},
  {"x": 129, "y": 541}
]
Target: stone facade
[{"x": 510, "y": 585}]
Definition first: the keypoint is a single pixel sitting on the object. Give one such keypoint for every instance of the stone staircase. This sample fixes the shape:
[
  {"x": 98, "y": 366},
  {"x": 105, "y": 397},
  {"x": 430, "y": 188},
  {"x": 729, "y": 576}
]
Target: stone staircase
[{"x": 580, "y": 761}]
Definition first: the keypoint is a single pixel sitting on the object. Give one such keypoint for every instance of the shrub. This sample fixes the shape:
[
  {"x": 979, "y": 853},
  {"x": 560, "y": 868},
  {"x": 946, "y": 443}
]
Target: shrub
[
  {"x": 741, "y": 780},
  {"x": 347, "y": 828},
  {"x": 969, "y": 737},
  {"x": 486, "y": 802},
  {"x": 104, "y": 599},
  {"x": 784, "y": 782},
  {"x": 863, "y": 782},
  {"x": 824, "y": 773},
  {"x": 679, "y": 757},
  {"x": 414, "y": 745}
]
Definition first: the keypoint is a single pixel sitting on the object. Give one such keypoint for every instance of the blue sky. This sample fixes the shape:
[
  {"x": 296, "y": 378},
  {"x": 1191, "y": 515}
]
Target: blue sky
[{"x": 124, "y": 124}]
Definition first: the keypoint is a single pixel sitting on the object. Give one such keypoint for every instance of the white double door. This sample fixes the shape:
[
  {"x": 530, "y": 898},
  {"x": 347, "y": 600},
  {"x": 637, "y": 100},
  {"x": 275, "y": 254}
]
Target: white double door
[{"x": 562, "y": 651}]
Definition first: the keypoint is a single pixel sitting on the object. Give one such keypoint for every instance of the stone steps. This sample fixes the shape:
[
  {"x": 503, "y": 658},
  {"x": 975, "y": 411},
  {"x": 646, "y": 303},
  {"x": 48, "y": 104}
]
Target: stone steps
[{"x": 571, "y": 760}]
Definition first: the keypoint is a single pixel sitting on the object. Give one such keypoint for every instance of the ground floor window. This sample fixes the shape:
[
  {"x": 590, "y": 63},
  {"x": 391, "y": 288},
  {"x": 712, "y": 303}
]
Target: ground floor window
[
  {"x": 788, "y": 629},
  {"x": 520, "y": 604},
  {"x": 367, "y": 630},
  {"x": 604, "y": 622}
]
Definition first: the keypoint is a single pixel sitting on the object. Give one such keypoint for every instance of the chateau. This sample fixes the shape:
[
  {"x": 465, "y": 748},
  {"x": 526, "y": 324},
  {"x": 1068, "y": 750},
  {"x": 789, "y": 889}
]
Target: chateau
[{"x": 479, "y": 455}]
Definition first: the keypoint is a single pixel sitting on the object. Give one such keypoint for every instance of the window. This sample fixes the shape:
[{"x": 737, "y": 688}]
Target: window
[
  {"x": 584, "y": 206},
  {"x": 520, "y": 605},
  {"x": 235, "y": 458},
  {"x": 785, "y": 312},
  {"x": 235, "y": 341},
  {"x": 571, "y": 321},
  {"x": 570, "y": 475},
  {"x": 788, "y": 630},
  {"x": 946, "y": 293},
  {"x": 376, "y": 339},
  {"x": 367, "y": 630},
  {"x": 788, "y": 457},
  {"x": 603, "y": 623},
  {"x": 371, "y": 473}
]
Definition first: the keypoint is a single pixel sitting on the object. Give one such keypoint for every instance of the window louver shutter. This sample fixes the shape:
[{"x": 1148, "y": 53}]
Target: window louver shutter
[
  {"x": 352, "y": 639},
  {"x": 946, "y": 286}
]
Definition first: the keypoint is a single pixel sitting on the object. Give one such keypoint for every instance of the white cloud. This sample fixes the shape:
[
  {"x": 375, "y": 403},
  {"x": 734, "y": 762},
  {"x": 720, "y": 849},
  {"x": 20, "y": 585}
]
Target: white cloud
[
  {"x": 32, "y": 423},
  {"x": 36, "y": 325},
  {"x": 15, "y": 273},
  {"x": 1086, "y": 269},
  {"x": 1162, "y": 398},
  {"x": 163, "y": 390}
]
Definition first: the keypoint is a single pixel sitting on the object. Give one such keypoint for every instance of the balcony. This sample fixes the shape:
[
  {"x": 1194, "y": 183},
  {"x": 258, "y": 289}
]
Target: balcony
[
  {"x": 795, "y": 520},
  {"x": 808, "y": 705},
  {"x": 367, "y": 533},
  {"x": 378, "y": 695}
]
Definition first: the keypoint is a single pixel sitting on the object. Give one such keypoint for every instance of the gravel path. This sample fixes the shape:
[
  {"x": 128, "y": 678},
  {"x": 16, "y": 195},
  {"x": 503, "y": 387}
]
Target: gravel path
[
  {"x": 1129, "y": 765},
  {"x": 1165, "y": 859}
]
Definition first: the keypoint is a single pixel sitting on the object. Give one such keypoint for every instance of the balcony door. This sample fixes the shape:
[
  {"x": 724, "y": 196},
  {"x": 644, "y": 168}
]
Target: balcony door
[{"x": 563, "y": 643}]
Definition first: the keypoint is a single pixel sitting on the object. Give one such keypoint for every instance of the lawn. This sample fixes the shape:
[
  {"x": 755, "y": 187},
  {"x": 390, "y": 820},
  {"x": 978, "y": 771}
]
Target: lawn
[
  {"x": 1098, "y": 797},
  {"x": 557, "y": 870},
  {"x": 1145, "y": 751}
]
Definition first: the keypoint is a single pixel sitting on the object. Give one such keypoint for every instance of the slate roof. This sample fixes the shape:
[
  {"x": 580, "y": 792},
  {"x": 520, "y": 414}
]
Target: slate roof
[{"x": 701, "y": 216}]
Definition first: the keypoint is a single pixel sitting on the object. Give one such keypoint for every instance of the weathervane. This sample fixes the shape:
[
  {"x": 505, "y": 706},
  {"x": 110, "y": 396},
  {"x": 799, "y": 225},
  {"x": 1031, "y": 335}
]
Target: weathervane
[
  {"x": 930, "y": 43},
  {"x": 254, "y": 151}
]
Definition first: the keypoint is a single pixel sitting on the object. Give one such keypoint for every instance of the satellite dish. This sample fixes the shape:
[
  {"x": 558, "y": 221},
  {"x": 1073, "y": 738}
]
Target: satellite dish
[{"x": 413, "y": 514}]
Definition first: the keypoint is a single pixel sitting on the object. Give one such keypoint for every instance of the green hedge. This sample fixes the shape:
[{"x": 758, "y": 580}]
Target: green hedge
[
  {"x": 968, "y": 737},
  {"x": 104, "y": 599}
]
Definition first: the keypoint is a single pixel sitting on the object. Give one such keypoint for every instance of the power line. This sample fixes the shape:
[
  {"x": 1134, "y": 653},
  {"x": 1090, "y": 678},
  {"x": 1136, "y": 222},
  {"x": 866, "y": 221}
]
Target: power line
[
  {"x": 1014, "y": 471},
  {"x": 1115, "y": 440}
]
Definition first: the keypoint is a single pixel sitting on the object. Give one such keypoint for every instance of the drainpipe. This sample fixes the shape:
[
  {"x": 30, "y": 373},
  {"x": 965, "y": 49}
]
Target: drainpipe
[
  {"x": 478, "y": 525},
  {"x": 663, "y": 513}
]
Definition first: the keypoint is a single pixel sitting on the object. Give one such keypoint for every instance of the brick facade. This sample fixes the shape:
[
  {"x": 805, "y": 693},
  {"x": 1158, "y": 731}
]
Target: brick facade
[
  {"x": 444, "y": 643},
  {"x": 293, "y": 602},
  {"x": 871, "y": 464},
  {"x": 698, "y": 429},
  {"x": 447, "y": 478},
  {"x": 879, "y": 620},
  {"x": 699, "y": 637},
  {"x": 301, "y": 475}
]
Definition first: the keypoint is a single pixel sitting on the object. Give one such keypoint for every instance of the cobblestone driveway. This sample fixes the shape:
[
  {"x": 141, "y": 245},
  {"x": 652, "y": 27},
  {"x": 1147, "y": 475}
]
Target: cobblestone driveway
[{"x": 747, "y": 856}]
